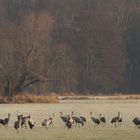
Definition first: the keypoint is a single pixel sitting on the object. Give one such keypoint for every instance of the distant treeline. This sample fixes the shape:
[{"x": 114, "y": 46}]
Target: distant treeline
[{"x": 69, "y": 46}]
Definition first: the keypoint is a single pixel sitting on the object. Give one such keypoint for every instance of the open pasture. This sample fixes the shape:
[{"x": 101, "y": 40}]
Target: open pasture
[{"x": 128, "y": 109}]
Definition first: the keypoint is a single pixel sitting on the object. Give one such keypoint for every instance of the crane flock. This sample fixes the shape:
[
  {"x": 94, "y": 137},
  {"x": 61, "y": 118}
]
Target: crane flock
[{"x": 70, "y": 120}]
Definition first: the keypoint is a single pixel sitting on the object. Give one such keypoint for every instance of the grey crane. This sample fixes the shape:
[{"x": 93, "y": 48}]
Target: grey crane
[
  {"x": 17, "y": 123},
  {"x": 31, "y": 123},
  {"x": 95, "y": 120},
  {"x": 83, "y": 118},
  {"x": 64, "y": 118},
  {"x": 24, "y": 121},
  {"x": 102, "y": 119},
  {"x": 48, "y": 121},
  {"x": 117, "y": 120},
  {"x": 5, "y": 121},
  {"x": 136, "y": 121},
  {"x": 69, "y": 123},
  {"x": 78, "y": 120},
  {"x": 67, "y": 119}
]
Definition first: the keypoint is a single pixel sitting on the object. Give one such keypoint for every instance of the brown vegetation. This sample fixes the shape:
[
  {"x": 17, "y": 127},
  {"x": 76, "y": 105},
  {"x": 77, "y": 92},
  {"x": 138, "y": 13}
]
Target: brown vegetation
[{"x": 28, "y": 98}]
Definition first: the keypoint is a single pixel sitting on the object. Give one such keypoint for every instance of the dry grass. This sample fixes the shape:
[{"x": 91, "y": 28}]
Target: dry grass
[
  {"x": 115, "y": 97},
  {"x": 118, "y": 97},
  {"x": 28, "y": 98},
  {"x": 58, "y": 131},
  {"x": 3, "y": 100},
  {"x": 75, "y": 98}
]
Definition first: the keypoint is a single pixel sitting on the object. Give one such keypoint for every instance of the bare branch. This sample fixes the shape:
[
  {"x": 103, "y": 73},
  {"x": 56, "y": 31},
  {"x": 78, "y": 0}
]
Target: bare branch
[{"x": 31, "y": 83}]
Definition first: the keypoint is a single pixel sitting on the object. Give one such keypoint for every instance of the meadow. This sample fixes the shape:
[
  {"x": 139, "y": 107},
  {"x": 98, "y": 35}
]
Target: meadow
[{"x": 128, "y": 109}]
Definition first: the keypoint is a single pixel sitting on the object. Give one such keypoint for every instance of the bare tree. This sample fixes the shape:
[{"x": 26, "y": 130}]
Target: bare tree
[{"x": 33, "y": 29}]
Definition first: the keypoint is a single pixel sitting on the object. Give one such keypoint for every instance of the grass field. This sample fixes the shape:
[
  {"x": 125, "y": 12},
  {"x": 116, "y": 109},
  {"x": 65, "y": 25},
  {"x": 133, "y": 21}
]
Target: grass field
[{"x": 128, "y": 109}]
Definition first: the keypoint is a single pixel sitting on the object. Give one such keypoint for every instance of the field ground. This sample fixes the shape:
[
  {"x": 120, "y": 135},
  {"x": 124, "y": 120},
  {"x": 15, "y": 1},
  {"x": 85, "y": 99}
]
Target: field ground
[{"x": 128, "y": 108}]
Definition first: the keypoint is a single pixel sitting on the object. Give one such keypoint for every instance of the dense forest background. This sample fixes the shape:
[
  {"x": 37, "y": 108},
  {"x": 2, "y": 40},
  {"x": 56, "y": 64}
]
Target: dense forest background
[{"x": 69, "y": 46}]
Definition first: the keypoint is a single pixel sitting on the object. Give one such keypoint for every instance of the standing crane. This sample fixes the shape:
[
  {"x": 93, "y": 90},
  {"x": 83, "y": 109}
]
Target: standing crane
[
  {"x": 102, "y": 119},
  {"x": 78, "y": 120},
  {"x": 5, "y": 121},
  {"x": 136, "y": 121},
  {"x": 17, "y": 123},
  {"x": 117, "y": 120},
  {"x": 48, "y": 122},
  {"x": 95, "y": 120},
  {"x": 67, "y": 119},
  {"x": 31, "y": 123},
  {"x": 64, "y": 118},
  {"x": 24, "y": 121}
]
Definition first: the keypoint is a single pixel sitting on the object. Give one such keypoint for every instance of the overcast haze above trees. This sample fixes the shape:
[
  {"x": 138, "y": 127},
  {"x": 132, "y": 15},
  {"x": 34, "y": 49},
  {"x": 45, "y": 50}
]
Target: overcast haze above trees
[{"x": 64, "y": 46}]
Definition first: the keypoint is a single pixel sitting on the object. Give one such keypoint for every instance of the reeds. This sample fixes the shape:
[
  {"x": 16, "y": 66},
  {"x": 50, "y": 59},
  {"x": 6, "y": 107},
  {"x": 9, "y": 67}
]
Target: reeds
[{"x": 29, "y": 98}]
